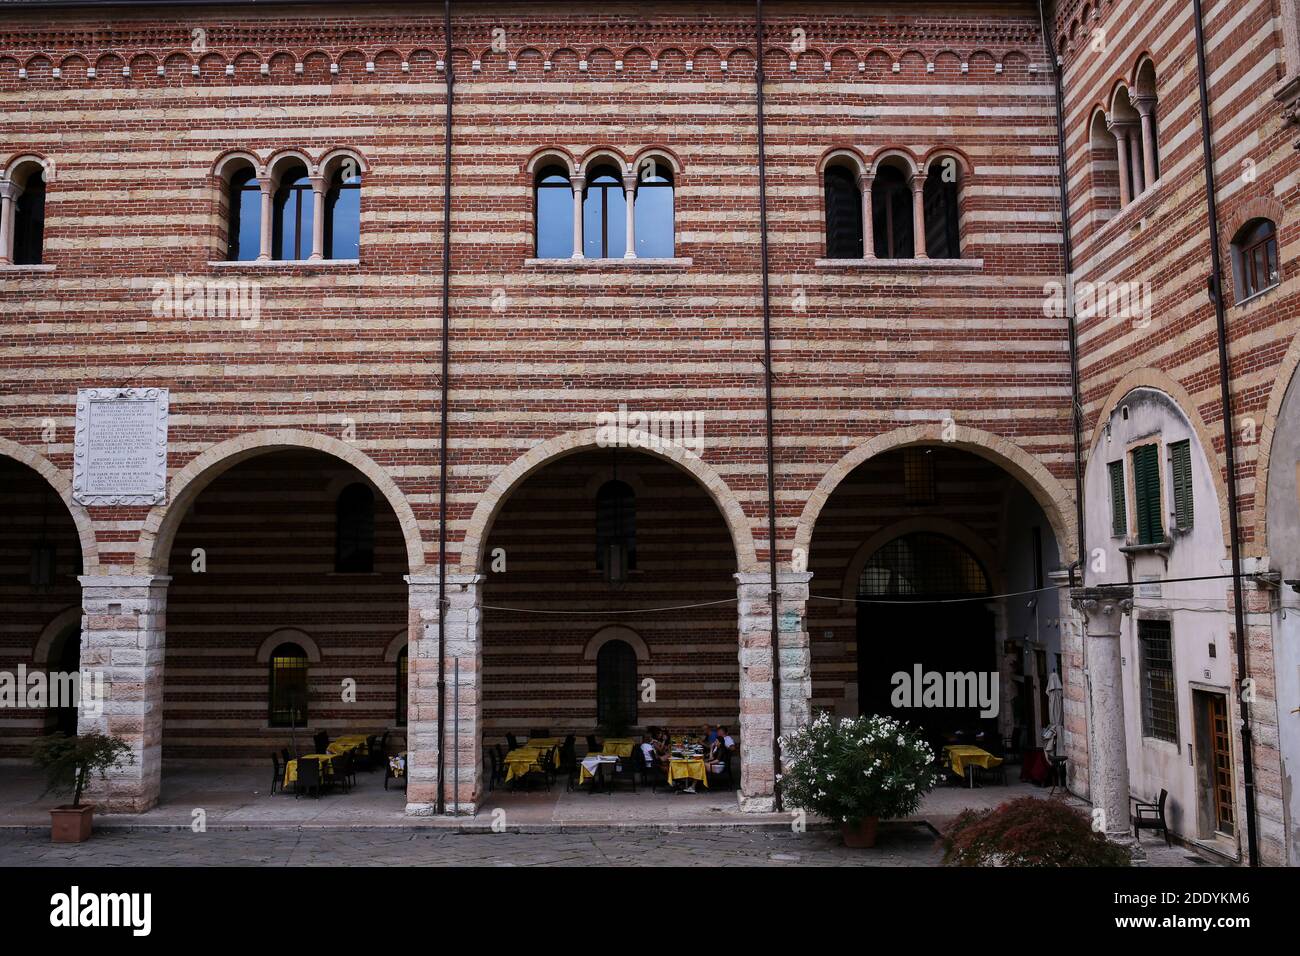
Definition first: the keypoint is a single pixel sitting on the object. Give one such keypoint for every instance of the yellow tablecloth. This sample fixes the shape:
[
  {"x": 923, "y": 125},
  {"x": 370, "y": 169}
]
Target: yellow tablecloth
[
  {"x": 618, "y": 748},
  {"x": 961, "y": 756},
  {"x": 522, "y": 761},
  {"x": 291, "y": 768},
  {"x": 687, "y": 768},
  {"x": 543, "y": 742},
  {"x": 355, "y": 742}
]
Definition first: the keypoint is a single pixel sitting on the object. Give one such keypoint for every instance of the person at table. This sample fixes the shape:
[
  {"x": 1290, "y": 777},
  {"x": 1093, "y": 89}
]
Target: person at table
[
  {"x": 726, "y": 738},
  {"x": 649, "y": 754},
  {"x": 710, "y": 734},
  {"x": 715, "y": 755}
]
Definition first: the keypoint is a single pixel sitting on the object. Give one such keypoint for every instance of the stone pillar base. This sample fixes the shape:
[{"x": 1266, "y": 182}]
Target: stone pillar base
[{"x": 748, "y": 804}]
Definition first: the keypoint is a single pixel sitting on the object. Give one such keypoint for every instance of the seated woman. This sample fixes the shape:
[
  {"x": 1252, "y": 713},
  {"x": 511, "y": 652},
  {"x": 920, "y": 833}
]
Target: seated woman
[{"x": 716, "y": 757}]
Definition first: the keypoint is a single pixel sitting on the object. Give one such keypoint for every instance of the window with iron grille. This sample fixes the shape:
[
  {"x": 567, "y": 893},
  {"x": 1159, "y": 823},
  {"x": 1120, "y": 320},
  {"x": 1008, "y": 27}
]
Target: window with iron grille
[
  {"x": 1146, "y": 494},
  {"x": 288, "y": 696},
  {"x": 616, "y": 687},
  {"x": 918, "y": 476},
  {"x": 1159, "y": 711},
  {"x": 1118, "y": 507},
  {"x": 403, "y": 671},
  {"x": 1180, "y": 472},
  {"x": 922, "y": 565}
]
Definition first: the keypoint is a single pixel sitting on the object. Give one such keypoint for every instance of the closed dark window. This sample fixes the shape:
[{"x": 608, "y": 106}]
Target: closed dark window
[
  {"x": 616, "y": 687},
  {"x": 891, "y": 214},
  {"x": 843, "y": 214},
  {"x": 654, "y": 212},
  {"x": 616, "y": 523},
  {"x": 1254, "y": 258},
  {"x": 1118, "y": 506},
  {"x": 29, "y": 221},
  {"x": 918, "y": 476},
  {"x": 604, "y": 215},
  {"x": 292, "y": 220},
  {"x": 1159, "y": 711},
  {"x": 1180, "y": 472},
  {"x": 554, "y": 212},
  {"x": 942, "y": 229},
  {"x": 403, "y": 675},
  {"x": 343, "y": 216},
  {"x": 288, "y": 696},
  {"x": 244, "y": 206},
  {"x": 354, "y": 543},
  {"x": 1146, "y": 494}
]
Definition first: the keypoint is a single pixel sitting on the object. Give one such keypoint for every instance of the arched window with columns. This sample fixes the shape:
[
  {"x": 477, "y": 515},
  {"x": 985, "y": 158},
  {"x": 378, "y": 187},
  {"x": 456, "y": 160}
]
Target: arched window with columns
[
  {"x": 652, "y": 210},
  {"x": 604, "y": 214},
  {"x": 896, "y": 210},
  {"x": 293, "y": 213},
  {"x": 942, "y": 198},
  {"x": 22, "y": 212},
  {"x": 843, "y": 200},
  {"x": 243, "y": 207},
  {"x": 340, "y": 228},
  {"x": 553, "y": 211}
]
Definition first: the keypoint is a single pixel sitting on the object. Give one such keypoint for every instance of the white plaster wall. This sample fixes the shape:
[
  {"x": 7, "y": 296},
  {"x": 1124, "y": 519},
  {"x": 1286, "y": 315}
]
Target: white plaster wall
[{"x": 1197, "y": 609}]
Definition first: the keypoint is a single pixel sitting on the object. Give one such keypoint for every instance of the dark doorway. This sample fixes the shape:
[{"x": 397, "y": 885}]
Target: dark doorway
[
  {"x": 67, "y": 660},
  {"x": 929, "y": 616}
]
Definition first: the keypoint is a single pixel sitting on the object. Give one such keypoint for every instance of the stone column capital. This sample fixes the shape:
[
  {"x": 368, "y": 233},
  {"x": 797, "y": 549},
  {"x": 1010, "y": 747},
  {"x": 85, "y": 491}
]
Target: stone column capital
[
  {"x": 1120, "y": 128},
  {"x": 1103, "y": 606},
  {"x": 866, "y": 178},
  {"x": 578, "y": 181},
  {"x": 1144, "y": 103},
  {"x": 918, "y": 181},
  {"x": 10, "y": 190}
]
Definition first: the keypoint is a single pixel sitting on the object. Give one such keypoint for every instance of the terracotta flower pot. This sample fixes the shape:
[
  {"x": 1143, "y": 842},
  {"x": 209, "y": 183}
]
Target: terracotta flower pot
[
  {"x": 862, "y": 836},
  {"x": 70, "y": 824}
]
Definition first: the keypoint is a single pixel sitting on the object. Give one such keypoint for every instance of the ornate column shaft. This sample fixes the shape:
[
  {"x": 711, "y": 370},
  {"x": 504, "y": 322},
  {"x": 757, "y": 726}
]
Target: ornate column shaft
[
  {"x": 1145, "y": 104},
  {"x": 579, "y": 184},
  {"x": 629, "y": 196},
  {"x": 264, "y": 254},
  {"x": 865, "y": 182},
  {"x": 317, "y": 218},
  {"x": 918, "y": 216},
  {"x": 1120, "y": 131},
  {"x": 9, "y": 192},
  {"x": 1103, "y": 608}
]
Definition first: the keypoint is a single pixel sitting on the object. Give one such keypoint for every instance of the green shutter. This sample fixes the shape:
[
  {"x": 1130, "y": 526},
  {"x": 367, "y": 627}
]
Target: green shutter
[
  {"x": 1118, "y": 509},
  {"x": 1146, "y": 494},
  {"x": 1180, "y": 458}
]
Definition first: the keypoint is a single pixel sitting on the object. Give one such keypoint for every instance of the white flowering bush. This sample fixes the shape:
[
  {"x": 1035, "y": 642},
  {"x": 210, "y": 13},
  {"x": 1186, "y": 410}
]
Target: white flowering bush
[{"x": 848, "y": 770}]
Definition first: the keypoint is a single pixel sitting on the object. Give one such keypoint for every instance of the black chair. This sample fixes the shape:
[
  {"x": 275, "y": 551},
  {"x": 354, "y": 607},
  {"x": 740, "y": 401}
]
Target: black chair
[
  {"x": 277, "y": 779},
  {"x": 498, "y": 764},
  {"x": 512, "y": 742},
  {"x": 321, "y": 741},
  {"x": 309, "y": 780},
  {"x": 336, "y": 772},
  {"x": 284, "y": 753},
  {"x": 625, "y": 771},
  {"x": 381, "y": 758},
  {"x": 372, "y": 748},
  {"x": 652, "y": 774},
  {"x": 568, "y": 756},
  {"x": 1151, "y": 816},
  {"x": 592, "y": 746}
]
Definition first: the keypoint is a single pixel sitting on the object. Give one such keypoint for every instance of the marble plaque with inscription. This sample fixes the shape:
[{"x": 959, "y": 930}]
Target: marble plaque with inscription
[{"x": 120, "y": 451}]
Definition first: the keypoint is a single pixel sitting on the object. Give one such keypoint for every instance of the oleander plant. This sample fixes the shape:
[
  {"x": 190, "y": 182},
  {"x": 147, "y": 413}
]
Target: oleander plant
[{"x": 855, "y": 770}]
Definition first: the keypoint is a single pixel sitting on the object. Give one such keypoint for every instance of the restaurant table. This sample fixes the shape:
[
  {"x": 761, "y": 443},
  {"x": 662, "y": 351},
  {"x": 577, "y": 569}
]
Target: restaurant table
[
  {"x": 523, "y": 760},
  {"x": 964, "y": 757},
  {"x": 618, "y": 746},
  {"x": 591, "y": 765},
  {"x": 543, "y": 742},
  {"x": 687, "y": 768},
  {"x": 291, "y": 768},
  {"x": 355, "y": 742}
]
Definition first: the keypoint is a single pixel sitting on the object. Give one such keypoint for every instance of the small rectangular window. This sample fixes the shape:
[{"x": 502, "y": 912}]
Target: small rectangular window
[
  {"x": 1146, "y": 494},
  {"x": 1118, "y": 507},
  {"x": 1159, "y": 710},
  {"x": 918, "y": 476},
  {"x": 1180, "y": 469}
]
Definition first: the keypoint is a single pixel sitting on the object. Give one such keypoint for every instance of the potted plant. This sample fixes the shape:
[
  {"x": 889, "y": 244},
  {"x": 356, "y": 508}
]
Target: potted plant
[
  {"x": 856, "y": 772},
  {"x": 68, "y": 763}
]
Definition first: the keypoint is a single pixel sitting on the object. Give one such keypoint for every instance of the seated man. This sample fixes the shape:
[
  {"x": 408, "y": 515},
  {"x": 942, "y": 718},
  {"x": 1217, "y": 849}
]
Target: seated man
[{"x": 726, "y": 738}]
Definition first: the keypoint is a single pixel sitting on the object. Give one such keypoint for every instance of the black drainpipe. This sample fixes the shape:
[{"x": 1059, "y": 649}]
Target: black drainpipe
[
  {"x": 1230, "y": 455},
  {"x": 442, "y": 429},
  {"x": 774, "y": 596},
  {"x": 1076, "y": 398}
]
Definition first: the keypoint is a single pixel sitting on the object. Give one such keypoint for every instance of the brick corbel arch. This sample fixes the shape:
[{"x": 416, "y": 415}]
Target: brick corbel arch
[
  {"x": 1283, "y": 377},
  {"x": 1050, "y": 494},
  {"x": 1156, "y": 380},
  {"x": 159, "y": 530},
  {"x": 63, "y": 488},
  {"x": 494, "y": 496}
]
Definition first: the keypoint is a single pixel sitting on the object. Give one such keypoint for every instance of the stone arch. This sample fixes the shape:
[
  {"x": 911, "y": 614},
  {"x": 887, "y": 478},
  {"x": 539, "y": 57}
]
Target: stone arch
[
  {"x": 1283, "y": 378},
  {"x": 930, "y": 524},
  {"x": 848, "y": 156},
  {"x": 159, "y": 530},
  {"x": 400, "y": 641},
  {"x": 551, "y": 154},
  {"x": 288, "y": 635},
  {"x": 63, "y": 488},
  {"x": 616, "y": 632},
  {"x": 58, "y": 626},
  {"x": 561, "y": 446},
  {"x": 1050, "y": 494},
  {"x": 1158, "y": 381}
]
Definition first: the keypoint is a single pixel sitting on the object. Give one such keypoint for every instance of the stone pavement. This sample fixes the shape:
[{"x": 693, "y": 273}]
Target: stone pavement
[{"x": 898, "y": 845}]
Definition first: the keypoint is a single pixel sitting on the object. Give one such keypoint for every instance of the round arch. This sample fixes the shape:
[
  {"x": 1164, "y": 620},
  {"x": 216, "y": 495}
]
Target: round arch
[
  {"x": 1283, "y": 378},
  {"x": 561, "y": 446},
  {"x": 154, "y": 547},
  {"x": 1158, "y": 381},
  {"x": 551, "y": 155},
  {"x": 399, "y": 643},
  {"x": 927, "y": 525},
  {"x": 59, "y": 625},
  {"x": 1050, "y": 494},
  {"x": 288, "y": 635},
  {"x": 63, "y": 488},
  {"x": 616, "y": 632}
]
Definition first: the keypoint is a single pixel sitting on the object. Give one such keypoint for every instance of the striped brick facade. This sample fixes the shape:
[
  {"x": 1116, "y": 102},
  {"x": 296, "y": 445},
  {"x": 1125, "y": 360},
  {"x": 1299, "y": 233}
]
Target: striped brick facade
[{"x": 340, "y": 379}]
